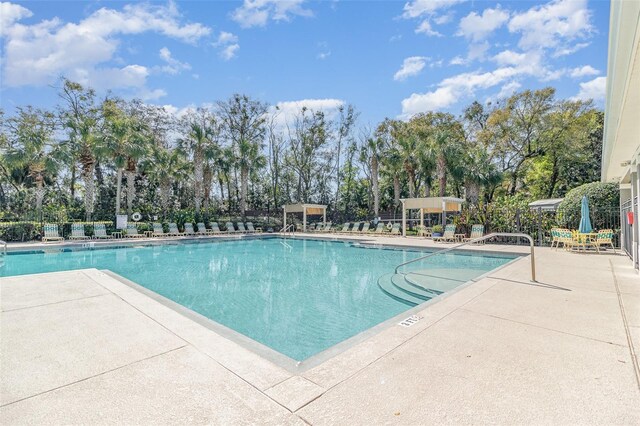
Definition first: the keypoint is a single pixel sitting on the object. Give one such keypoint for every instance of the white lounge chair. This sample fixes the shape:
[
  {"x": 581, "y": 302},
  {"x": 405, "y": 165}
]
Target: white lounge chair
[
  {"x": 230, "y": 228},
  {"x": 173, "y": 230},
  {"x": 51, "y": 233},
  {"x": 100, "y": 231},
  {"x": 448, "y": 236},
  {"x": 251, "y": 229},
  {"x": 77, "y": 232},
  {"x": 215, "y": 228},
  {"x": 365, "y": 228},
  {"x": 158, "y": 230},
  {"x": 188, "y": 229},
  {"x": 202, "y": 229},
  {"x": 380, "y": 228},
  {"x": 395, "y": 229},
  {"x": 477, "y": 231},
  {"x": 132, "y": 231},
  {"x": 241, "y": 228}
]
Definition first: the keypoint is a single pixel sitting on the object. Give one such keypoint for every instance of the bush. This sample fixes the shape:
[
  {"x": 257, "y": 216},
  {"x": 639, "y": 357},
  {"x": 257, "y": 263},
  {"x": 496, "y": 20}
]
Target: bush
[
  {"x": 19, "y": 231},
  {"x": 604, "y": 198}
]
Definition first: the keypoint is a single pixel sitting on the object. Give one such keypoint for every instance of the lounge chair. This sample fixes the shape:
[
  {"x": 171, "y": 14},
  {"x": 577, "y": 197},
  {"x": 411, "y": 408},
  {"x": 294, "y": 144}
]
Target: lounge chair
[
  {"x": 424, "y": 231},
  {"x": 448, "y": 236},
  {"x": 215, "y": 229},
  {"x": 51, "y": 233},
  {"x": 395, "y": 229},
  {"x": 229, "y": 227},
  {"x": 77, "y": 232},
  {"x": 251, "y": 229},
  {"x": 202, "y": 229},
  {"x": 380, "y": 228},
  {"x": 241, "y": 228},
  {"x": 356, "y": 228},
  {"x": 173, "y": 229},
  {"x": 188, "y": 229},
  {"x": 100, "y": 231},
  {"x": 365, "y": 228},
  {"x": 345, "y": 228},
  {"x": 477, "y": 231},
  {"x": 604, "y": 238},
  {"x": 325, "y": 228},
  {"x": 132, "y": 231},
  {"x": 158, "y": 230}
]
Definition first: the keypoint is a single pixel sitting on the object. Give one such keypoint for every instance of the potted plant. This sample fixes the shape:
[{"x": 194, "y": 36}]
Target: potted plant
[{"x": 437, "y": 231}]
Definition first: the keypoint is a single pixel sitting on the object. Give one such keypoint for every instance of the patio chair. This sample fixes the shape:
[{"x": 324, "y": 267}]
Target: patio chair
[
  {"x": 77, "y": 232},
  {"x": 173, "y": 229},
  {"x": 202, "y": 229},
  {"x": 215, "y": 228},
  {"x": 229, "y": 227},
  {"x": 395, "y": 229},
  {"x": 380, "y": 228},
  {"x": 188, "y": 229},
  {"x": 604, "y": 238},
  {"x": 345, "y": 228},
  {"x": 100, "y": 231},
  {"x": 327, "y": 227},
  {"x": 158, "y": 230},
  {"x": 555, "y": 237},
  {"x": 251, "y": 229},
  {"x": 132, "y": 231},
  {"x": 356, "y": 228},
  {"x": 241, "y": 228},
  {"x": 365, "y": 228},
  {"x": 477, "y": 231},
  {"x": 448, "y": 236},
  {"x": 51, "y": 233},
  {"x": 424, "y": 231}
]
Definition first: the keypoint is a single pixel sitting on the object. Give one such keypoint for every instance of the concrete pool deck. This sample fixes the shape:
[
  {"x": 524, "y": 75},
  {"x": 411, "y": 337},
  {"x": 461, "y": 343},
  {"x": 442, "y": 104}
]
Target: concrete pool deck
[{"x": 84, "y": 347}]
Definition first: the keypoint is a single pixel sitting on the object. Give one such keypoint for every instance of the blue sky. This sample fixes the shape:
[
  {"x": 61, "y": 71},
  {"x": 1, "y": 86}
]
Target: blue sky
[{"x": 388, "y": 58}]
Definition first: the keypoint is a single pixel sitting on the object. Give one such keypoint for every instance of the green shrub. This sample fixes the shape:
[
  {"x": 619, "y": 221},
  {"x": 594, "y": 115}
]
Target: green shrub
[
  {"x": 19, "y": 231},
  {"x": 437, "y": 229},
  {"x": 603, "y": 199}
]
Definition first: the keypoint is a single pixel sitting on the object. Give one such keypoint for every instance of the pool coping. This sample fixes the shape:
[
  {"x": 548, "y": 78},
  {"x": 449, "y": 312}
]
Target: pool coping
[{"x": 283, "y": 361}]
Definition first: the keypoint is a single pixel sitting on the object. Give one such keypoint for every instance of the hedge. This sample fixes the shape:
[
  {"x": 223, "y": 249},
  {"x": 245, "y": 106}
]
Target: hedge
[{"x": 603, "y": 197}]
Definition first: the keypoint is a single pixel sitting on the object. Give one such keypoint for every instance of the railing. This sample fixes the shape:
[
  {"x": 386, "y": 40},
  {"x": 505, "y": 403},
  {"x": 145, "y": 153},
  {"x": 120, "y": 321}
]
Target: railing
[
  {"x": 4, "y": 247},
  {"x": 476, "y": 240},
  {"x": 290, "y": 226}
]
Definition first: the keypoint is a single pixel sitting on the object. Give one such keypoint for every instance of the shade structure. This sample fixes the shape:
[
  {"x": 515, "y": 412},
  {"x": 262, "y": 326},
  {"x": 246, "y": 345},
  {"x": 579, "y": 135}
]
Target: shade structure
[
  {"x": 306, "y": 210},
  {"x": 440, "y": 205},
  {"x": 585, "y": 220}
]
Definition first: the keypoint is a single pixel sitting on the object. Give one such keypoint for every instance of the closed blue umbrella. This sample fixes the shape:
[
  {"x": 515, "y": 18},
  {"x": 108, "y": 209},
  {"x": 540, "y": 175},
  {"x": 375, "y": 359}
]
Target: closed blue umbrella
[{"x": 585, "y": 221}]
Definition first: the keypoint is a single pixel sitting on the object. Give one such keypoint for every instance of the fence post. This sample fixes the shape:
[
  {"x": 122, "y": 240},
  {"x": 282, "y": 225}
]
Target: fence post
[{"x": 540, "y": 226}]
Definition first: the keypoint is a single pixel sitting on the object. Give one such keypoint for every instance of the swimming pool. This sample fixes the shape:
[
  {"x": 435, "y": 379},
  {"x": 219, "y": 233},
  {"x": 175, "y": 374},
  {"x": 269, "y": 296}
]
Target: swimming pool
[{"x": 296, "y": 296}]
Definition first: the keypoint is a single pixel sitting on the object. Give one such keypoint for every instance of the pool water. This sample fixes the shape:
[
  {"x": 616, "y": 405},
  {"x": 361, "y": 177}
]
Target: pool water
[{"x": 298, "y": 297}]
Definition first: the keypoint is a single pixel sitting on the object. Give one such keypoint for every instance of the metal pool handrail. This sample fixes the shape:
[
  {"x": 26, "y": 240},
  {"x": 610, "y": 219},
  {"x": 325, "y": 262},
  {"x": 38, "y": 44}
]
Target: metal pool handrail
[
  {"x": 475, "y": 240},
  {"x": 290, "y": 226},
  {"x": 4, "y": 246}
]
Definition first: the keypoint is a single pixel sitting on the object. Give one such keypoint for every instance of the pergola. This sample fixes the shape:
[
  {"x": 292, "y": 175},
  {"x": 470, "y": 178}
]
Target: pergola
[
  {"x": 546, "y": 205},
  {"x": 306, "y": 210},
  {"x": 440, "y": 205}
]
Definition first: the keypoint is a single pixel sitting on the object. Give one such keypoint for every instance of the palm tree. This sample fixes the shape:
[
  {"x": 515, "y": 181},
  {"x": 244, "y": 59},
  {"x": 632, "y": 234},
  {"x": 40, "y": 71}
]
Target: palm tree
[
  {"x": 248, "y": 159},
  {"x": 32, "y": 148},
  {"x": 80, "y": 119},
  {"x": 372, "y": 154},
  {"x": 165, "y": 167},
  {"x": 393, "y": 162},
  {"x": 125, "y": 141},
  {"x": 202, "y": 131}
]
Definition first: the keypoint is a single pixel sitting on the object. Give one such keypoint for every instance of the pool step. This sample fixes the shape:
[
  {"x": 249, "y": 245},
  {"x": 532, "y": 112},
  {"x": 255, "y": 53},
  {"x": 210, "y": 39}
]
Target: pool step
[
  {"x": 401, "y": 283},
  {"x": 438, "y": 281},
  {"x": 387, "y": 286}
]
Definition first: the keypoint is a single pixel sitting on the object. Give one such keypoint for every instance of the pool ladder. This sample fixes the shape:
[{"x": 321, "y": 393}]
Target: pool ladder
[{"x": 3, "y": 253}]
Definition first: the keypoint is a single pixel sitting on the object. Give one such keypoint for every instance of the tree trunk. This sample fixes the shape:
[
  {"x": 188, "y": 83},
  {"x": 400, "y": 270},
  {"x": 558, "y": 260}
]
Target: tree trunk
[
  {"x": 207, "y": 184},
  {"x": 39, "y": 195},
  {"x": 375, "y": 186},
  {"x": 396, "y": 190},
  {"x": 427, "y": 188},
  {"x": 198, "y": 171},
  {"x": 165, "y": 195},
  {"x": 72, "y": 184},
  {"x": 441, "y": 171},
  {"x": 88, "y": 163},
  {"x": 412, "y": 181},
  {"x": 472, "y": 190},
  {"x": 118, "y": 189},
  {"x": 131, "y": 190},
  {"x": 244, "y": 177}
]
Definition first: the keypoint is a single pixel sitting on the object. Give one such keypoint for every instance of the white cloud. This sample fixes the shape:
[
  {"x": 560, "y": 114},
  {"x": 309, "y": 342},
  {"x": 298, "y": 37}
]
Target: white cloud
[
  {"x": 425, "y": 28},
  {"x": 256, "y": 13},
  {"x": 568, "y": 50},
  {"x": 410, "y": 67},
  {"x": 325, "y": 52},
  {"x": 288, "y": 110},
  {"x": 228, "y": 43},
  {"x": 457, "y": 60},
  {"x": 173, "y": 66},
  {"x": 508, "y": 89},
  {"x": 594, "y": 89},
  {"x": 419, "y": 8},
  {"x": 555, "y": 25},
  {"x": 426, "y": 11},
  {"x": 11, "y": 13},
  {"x": 583, "y": 71},
  {"x": 478, "y": 27},
  {"x": 38, "y": 54},
  {"x": 452, "y": 89}
]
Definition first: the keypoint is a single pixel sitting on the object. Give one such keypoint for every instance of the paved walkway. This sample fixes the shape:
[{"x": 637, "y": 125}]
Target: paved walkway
[{"x": 83, "y": 347}]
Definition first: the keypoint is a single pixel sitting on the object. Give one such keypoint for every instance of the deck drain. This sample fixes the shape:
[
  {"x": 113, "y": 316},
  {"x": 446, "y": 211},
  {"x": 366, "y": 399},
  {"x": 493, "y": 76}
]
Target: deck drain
[{"x": 408, "y": 322}]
